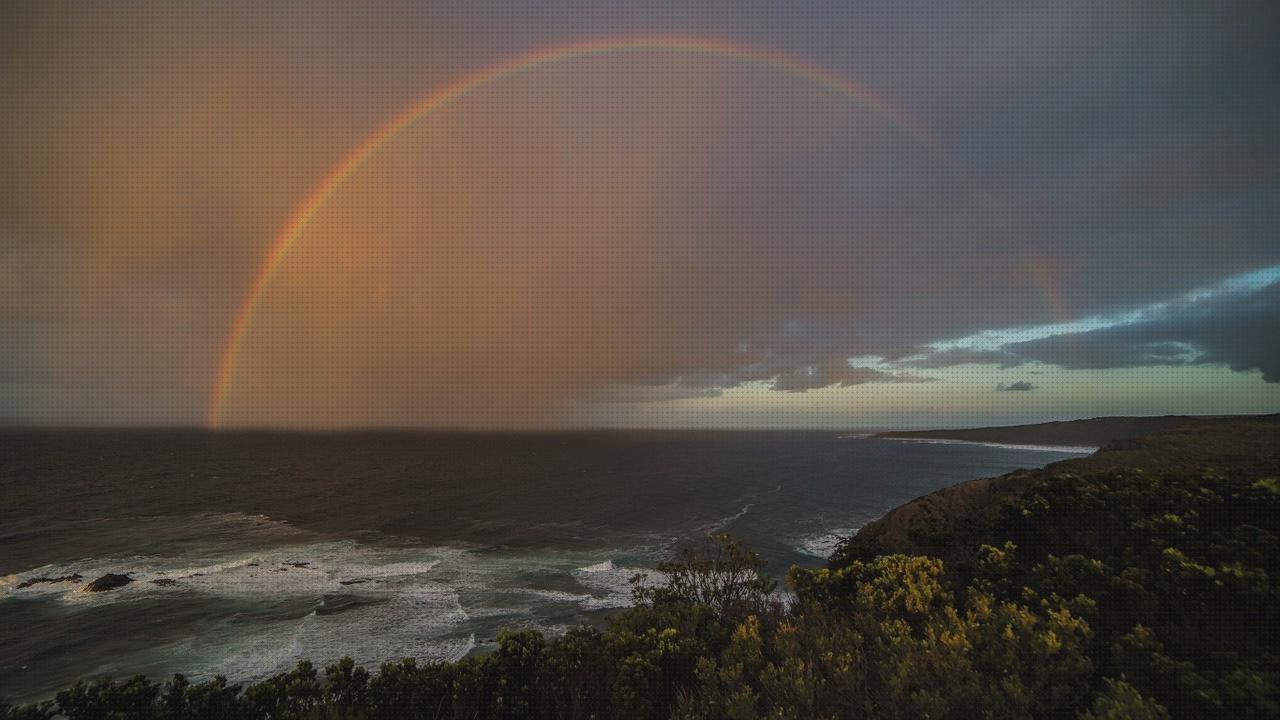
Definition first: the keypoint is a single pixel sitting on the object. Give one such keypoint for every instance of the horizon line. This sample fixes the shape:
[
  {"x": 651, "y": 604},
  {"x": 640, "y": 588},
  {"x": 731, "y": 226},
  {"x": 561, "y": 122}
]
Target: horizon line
[{"x": 443, "y": 430}]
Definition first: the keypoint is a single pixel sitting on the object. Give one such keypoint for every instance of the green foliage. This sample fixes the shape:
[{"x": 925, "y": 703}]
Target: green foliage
[
  {"x": 1109, "y": 594},
  {"x": 724, "y": 576},
  {"x": 1182, "y": 569},
  {"x": 1122, "y": 702},
  {"x": 102, "y": 699},
  {"x": 204, "y": 701},
  {"x": 887, "y": 639}
]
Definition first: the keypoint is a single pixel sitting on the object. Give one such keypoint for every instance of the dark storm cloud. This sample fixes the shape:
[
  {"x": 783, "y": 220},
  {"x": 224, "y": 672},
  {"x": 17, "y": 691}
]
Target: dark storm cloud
[
  {"x": 1238, "y": 331},
  {"x": 1141, "y": 148},
  {"x": 1019, "y": 386}
]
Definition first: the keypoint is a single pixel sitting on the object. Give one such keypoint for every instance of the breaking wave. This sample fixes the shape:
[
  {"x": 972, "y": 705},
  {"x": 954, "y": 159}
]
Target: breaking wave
[
  {"x": 823, "y": 545},
  {"x": 260, "y": 612}
]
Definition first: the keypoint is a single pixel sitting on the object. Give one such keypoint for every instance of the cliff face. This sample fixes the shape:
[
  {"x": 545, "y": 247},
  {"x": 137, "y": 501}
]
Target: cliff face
[
  {"x": 1248, "y": 446},
  {"x": 903, "y": 529}
]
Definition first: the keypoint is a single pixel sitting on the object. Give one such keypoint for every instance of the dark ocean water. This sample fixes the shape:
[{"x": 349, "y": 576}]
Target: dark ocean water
[{"x": 386, "y": 545}]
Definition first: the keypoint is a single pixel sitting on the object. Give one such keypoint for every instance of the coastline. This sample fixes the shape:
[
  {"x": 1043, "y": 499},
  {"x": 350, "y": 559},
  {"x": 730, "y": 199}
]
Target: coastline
[
  {"x": 1051, "y": 447},
  {"x": 1092, "y": 432},
  {"x": 1244, "y": 445}
]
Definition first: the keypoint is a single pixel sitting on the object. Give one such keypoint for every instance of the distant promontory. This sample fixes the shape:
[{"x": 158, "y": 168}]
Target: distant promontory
[
  {"x": 1247, "y": 445},
  {"x": 1093, "y": 432}
]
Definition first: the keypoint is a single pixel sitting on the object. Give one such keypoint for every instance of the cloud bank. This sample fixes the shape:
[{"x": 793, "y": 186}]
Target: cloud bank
[{"x": 1236, "y": 330}]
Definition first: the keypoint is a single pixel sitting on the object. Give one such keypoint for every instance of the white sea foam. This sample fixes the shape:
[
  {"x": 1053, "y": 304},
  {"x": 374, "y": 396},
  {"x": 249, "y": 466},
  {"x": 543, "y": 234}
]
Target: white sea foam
[
  {"x": 323, "y": 600},
  {"x": 423, "y": 623},
  {"x": 821, "y": 546},
  {"x": 305, "y": 569},
  {"x": 264, "y": 610},
  {"x": 585, "y": 600},
  {"x": 605, "y": 566},
  {"x": 724, "y": 522},
  {"x": 614, "y": 582}
]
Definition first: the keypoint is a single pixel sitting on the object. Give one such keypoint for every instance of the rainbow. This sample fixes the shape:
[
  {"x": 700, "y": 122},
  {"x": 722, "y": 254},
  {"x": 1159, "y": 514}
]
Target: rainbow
[{"x": 453, "y": 92}]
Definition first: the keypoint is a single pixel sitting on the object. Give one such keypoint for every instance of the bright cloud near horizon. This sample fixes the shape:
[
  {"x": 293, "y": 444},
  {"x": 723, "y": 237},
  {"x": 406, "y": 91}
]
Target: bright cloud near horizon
[{"x": 884, "y": 216}]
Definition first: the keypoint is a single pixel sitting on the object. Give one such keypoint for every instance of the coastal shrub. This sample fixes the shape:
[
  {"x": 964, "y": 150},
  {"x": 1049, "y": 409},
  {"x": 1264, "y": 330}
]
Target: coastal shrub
[
  {"x": 1122, "y": 702},
  {"x": 1182, "y": 568},
  {"x": 724, "y": 576},
  {"x": 887, "y": 639}
]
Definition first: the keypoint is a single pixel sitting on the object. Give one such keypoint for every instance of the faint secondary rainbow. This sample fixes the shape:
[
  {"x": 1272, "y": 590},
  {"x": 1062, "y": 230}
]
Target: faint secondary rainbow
[{"x": 451, "y": 93}]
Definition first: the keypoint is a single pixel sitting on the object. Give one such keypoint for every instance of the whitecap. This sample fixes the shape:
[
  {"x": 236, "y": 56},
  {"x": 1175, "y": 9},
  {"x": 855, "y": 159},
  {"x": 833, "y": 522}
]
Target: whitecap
[
  {"x": 824, "y": 544},
  {"x": 323, "y": 600},
  {"x": 613, "y": 583},
  {"x": 724, "y": 522},
  {"x": 605, "y": 566}
]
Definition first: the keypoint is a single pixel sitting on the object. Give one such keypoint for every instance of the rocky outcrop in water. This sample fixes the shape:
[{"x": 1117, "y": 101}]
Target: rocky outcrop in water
[
  {"x": 77, "y": 577},
  {"x": 110, "y": 581}
]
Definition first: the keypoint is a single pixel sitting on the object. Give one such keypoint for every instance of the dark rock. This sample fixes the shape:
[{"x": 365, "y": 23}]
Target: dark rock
[
  {"x": 352, "y": 582},
  {"x": 165, "y": 582},
  {"x": 36, "y": 581},
  {"x": 110, "y": 581},
  {"x": 297, "y": 564}
]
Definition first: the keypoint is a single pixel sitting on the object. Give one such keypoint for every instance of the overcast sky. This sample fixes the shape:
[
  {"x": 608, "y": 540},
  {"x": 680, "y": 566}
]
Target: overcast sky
[{"x": 641, "y": 238}]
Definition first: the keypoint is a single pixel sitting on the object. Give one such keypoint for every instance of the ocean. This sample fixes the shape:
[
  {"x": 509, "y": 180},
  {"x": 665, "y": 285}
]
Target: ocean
[{"x": 269, "y": 548}]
